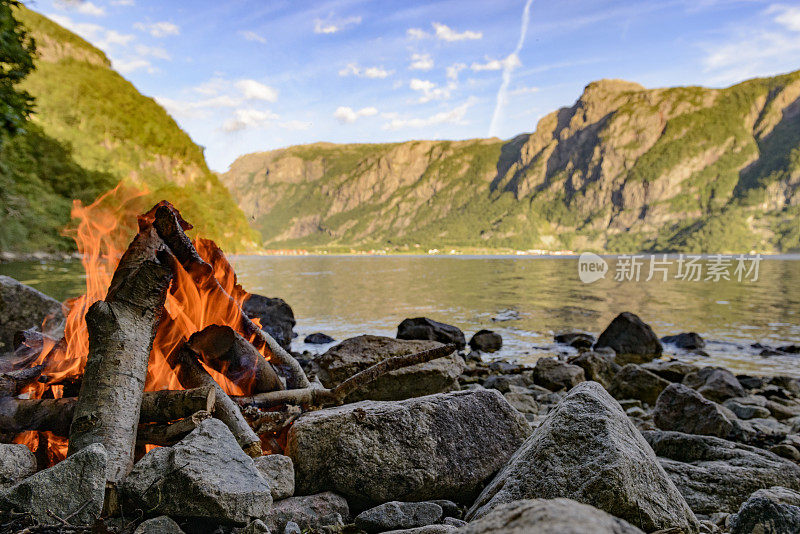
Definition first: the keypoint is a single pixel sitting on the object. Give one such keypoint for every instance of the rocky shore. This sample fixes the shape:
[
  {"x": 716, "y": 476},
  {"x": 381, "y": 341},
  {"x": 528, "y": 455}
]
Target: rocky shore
[{"x": 614, "y": 439}]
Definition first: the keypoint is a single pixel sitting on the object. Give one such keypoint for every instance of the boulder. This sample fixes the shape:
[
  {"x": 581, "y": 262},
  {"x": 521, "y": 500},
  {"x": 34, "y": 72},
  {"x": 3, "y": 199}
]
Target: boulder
[
  {"x": 631, "y": 339},
  {"x": 578, "y": 340},
  {"x": 746, "y": 411},
  {"x": 73, "y": 488},
  {"x": 278, "y": 470},
  {"x": 428, "y": 329},
  {"x": 717, "y": 475},
  {"x": 587, "y": 450},
  {"x": 685, "y": 340},
  {"x": 308, "y": 512},
  {"x": 486, "y": 341},
  {"x": 428, "y": 529},
  {"x": 597, "y": 367},
  {"x": 548, "y": 516},
  {"x": 16, "y": 463},
  {"x": 356, "y": 354},
  {"x": 257, "y": 527},
  {"x": 435, "y": 447},
  {"x": 396, "y": 515},
  {"x": 715, "y": 383},
  {"x": 276, "y": 316},
  {"x": 504, "y": 383},
  {"x": 205, "y": 475},
  {"x": 21, "y": 308},
  {"x": 318, "y": 338},
  {"x": 672, "y": 370},
  {"x": 774, "y": 510},
  {"x": 523, "y": 402},
  {"x": 786, "y": 450},
  {"x": 554, "y": 375},
  {"x": 634, "y": 382},
  {"x": 683, "y": 409},
  {"x": 158, "y": 525}
]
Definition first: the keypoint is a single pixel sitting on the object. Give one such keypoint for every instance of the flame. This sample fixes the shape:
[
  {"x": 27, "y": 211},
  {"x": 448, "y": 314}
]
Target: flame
[{"x": 102, "y": 234}]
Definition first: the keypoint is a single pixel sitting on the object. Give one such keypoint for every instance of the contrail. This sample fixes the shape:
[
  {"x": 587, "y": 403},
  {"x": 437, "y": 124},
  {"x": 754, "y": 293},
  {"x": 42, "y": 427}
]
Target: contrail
[{"x": 511, "y": 63}]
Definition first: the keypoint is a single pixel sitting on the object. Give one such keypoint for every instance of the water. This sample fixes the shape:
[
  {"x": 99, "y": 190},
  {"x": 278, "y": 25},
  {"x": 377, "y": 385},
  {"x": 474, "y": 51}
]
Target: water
[{"x": 345, "y": 296}]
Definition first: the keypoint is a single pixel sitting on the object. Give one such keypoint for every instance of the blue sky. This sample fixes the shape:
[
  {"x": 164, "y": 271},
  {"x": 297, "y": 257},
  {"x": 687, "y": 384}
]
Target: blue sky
[{"x": 246, "y": 76}]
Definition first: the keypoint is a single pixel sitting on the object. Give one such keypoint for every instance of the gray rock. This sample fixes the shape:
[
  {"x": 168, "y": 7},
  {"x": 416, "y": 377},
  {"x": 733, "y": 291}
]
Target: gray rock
[
  {"x": 554, "y": 375},
  {"x": 439, "y": 446},
  {"x": 746, "y": 411},
  {"x": 276, "y": 316},
  {"x": 673, "y": 370},
  {"x": 503, "y": 383},
  {"x": 453, "y": 522},
  {"x": 22, "y": 307},
  {"x": 76, "y": 486},
  {"x": 158, "y": 525},
  {"x": 715, "y": 383},
  {"x": 254, "y": 527},
  {"x": 683, "y": 409},
  {"x": 278, "y": 470},
  {"x": 356, "y": 354},
  {"x": 685, "y": 340},
  {"x": 486, "y": 341},
  {"x": 631, "y": 339},
  {"x": 424, "y": 328},
  {"x": 396, "y": 515},
  {"x": 588, "y": 450},
  {"x": 578, "y": 340},
  {"x": 774, "y": 510},
  {"x": 782, "y": 410},
  {"x": 429, "y": 529},
  {"x": 785, "y": 450},
  {"x": 308, "y": 512},
  {"x": 449, "y": 508},
  {"x": 16, "y": 463},
  {"x": 292, "y": 528},
  {"x": 205, "y": 475},
  {"x": 318, "y": 338},
  {"x": 634, "y": 382},
  {"x": 597, "y": 367},
  {"x": 523, "y": 402},
  {"x": 548, "y": 516},
  {"x": 717, "y": 475}
]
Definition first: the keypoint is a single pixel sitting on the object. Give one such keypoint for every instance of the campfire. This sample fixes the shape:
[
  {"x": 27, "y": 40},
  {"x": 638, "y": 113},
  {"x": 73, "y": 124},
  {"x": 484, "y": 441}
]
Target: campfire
[{"x": 157, "y": 344}]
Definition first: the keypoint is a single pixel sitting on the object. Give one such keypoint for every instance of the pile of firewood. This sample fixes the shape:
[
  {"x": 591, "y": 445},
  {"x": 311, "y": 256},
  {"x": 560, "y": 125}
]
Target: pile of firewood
[{"x": 108, "y": 404}]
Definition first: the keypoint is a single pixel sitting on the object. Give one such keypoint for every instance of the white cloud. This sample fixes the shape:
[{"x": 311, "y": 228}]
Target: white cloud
[
  {"x": 295, "y": 125},
  {"x": 453, "y": 116},
  {"x": 244, "y": 119},
  {"x": 510, "y": 62},
  {"x": 82, "y": 7},
  {"x": 416, "y": 33},
  {"x": 253, "y": 36},
  {"x": 158, "y": 29},
  {"x": 430, "y": 91},
  {"x": 453, "y": 70},
  {"x": 126, "y": 66},
  {"x": 445, "y": 33},
  {"x": 788, "y": 17},
  {"x": 347, "y": 115},
  {"x": 522, "y": 90},
  {"x": 122, "y": 2},
  {"x": 253, "y": 90},
  {"x": 153, "y": 51},
  {"x": 352, "y": 69},
  {"x": 333, "y": 26},
  {"x": 196, "y": 108},
  {"x": 421, "y": 62}
]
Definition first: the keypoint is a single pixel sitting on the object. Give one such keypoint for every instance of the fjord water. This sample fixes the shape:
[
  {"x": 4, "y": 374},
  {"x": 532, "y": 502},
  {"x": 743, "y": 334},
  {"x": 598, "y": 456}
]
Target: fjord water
[{"x": 345, "y": 296}]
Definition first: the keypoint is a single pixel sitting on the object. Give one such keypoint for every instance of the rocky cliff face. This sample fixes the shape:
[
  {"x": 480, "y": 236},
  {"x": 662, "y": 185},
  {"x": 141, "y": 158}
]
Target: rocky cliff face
[{"x": 625, "y": 168}]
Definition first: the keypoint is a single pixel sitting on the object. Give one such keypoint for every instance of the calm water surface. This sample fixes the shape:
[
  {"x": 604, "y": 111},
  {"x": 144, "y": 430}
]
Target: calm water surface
[{"x": 345, "y": 296}]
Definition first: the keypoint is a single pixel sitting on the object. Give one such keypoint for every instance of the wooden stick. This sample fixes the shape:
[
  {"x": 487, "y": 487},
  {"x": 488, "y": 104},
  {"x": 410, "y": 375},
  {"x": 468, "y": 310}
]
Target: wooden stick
[
  {"x": 168, "y": 434},
  {"x": 121, "y": 331},
  {"x": 170, "y": 229},
  {"x": 191, "y": 374},
  {"x": 170, "y": 405},
  {"x": 12, "y": 382},
  {"x": 326, "y": 397}
]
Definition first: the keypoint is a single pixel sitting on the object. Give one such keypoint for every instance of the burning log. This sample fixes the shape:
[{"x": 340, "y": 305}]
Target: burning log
[
  {"x": 121, "y": 330},
  {"x": 171, "y": 229},
  {"x": 12, "y": 382},
  {"x": 325, "y": 397},
  {"x": 169, "y": 405},
  {"x": 191, "y": 374},
  {"x": 168, "y": 434}
]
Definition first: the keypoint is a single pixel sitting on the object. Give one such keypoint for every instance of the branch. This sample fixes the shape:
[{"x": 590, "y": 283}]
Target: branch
[{"x": 168, "y": 434}]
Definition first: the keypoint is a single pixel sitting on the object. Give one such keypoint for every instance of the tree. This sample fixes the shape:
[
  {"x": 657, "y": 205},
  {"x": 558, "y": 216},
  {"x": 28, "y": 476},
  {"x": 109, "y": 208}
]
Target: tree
[{"x": 17, "y": 49}]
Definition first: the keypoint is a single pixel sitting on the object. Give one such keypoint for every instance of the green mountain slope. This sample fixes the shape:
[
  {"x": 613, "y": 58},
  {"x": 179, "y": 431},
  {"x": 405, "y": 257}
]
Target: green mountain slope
[
  {"x": 624, "y": 169},
  {"x": 92, "y": 129}
]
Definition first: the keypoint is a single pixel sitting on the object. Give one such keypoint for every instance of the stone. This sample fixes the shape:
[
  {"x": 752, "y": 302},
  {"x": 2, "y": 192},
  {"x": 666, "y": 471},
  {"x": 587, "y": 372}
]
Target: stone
[
  {"x": 672, "y": 370},
  {"x": 292, "y": 528},
  {"x": 715, "y": 383},
  {"x": 685, "y": 340},
  {"x": 449, "y": 508},
  {"x": 318, "y": 338},
  {"x": 634, "y": 382},
  {"x": 745, "y": 411},
  {"x": 434, "y": 447},
  {"x": 523, "y": 402},
  {"x": 74, "y": 487},
  {"x": 578, "y": 340},
  {"x": 205, "y": 475},
  {"x": 23, "y": 307},
  {"x": 503, "y": 383},
  {"x": 785, "y": 450},
  {"x": 352, "y": 355},
  {"x": 597, "y": 367},
  {"x": 158, "y": 525},
  {"x": 554, "y": 375},
  {"x": 428, "y": 329},
  {"x": 588, "y": 450},
  {"x": 396, "y": 515},
  {"x": 276, "y": 316},
  {"x": 308, "y": 512},
  {"x": 683, "y": 409},
  {"x": 631, "y": 339},
  {"x": 16, "y": 463},
  {"x": 486, "y": 341},
  {"x": 428, "y": 529},
  {"x": 781, "y": 411},
  {"x": 717, "y": 475},
  {"x": 773, "y": 510},
  {"x": 254, "y": 527},
  {"x": 278, "y": 470},
  {"x": 750, "y": 382},
  {"x": 548, "y": 516}
]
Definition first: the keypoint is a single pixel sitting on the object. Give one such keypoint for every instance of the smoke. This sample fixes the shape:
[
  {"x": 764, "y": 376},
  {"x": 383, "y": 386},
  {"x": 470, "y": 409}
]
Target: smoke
[{"x": 509, "y": 64}]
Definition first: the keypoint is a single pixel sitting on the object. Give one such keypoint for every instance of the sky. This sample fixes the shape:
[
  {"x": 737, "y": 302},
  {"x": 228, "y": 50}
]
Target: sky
[{"x": 245, "y": 76}]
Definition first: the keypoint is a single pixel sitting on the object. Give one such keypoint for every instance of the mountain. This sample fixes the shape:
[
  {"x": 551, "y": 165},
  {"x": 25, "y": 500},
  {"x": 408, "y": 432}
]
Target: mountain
[
  {"x": 624, "y": 169},
  {"x": 90, "y": 130}
]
